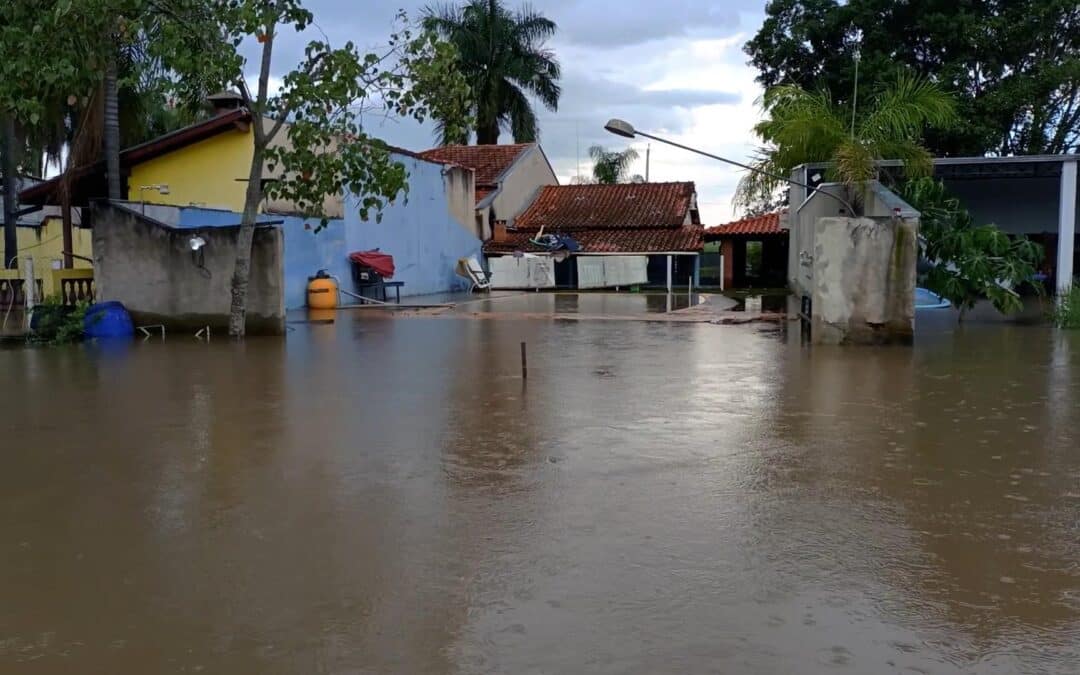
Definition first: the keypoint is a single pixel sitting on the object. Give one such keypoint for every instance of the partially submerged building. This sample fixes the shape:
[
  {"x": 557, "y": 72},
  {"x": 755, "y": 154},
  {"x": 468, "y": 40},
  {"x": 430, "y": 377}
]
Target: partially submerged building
[
  {"x": 768, "y": 234},
  {"x": 1034, "y": 195},
  {"x": 201, "y": 170},
  {"x": 507, "y": 177},
  {"x": 597, "y": 236}
]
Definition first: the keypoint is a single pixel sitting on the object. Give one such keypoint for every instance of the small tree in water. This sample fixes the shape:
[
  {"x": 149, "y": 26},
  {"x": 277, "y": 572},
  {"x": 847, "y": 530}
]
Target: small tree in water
[
  {"x": 318, "y": 108},
  {"x": 969, "y": 261}
]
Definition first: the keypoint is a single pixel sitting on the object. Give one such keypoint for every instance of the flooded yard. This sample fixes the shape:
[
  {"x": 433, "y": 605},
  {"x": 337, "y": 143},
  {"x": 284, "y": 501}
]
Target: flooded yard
[
  {"x": 620, "y": 304},
  {"x": 389, "y": 496}
]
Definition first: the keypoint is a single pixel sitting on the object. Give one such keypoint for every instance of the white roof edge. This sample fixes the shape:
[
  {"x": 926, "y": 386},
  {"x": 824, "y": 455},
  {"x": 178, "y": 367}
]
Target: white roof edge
[{"x": 952, "y": 161}]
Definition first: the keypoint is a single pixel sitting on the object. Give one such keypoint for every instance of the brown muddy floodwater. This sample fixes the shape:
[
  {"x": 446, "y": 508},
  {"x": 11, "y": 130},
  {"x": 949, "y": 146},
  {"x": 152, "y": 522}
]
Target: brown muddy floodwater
[{"x": 388, "y": 496}]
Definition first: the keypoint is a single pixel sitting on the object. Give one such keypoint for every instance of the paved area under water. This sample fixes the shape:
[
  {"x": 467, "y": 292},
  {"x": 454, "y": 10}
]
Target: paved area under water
[{"x": 388, "y": 496}]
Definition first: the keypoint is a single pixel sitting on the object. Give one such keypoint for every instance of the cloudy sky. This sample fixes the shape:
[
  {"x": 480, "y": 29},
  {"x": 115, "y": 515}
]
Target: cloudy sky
[{"x": 675, "y": 68}]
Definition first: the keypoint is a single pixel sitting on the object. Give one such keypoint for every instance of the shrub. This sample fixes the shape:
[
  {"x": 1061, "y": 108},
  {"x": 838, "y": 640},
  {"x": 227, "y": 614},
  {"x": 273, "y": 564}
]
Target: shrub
[
  {"x": 969, "y": 261},
  {"x": 56, "y": 323},
  {"x": 1066, "y": 311}
]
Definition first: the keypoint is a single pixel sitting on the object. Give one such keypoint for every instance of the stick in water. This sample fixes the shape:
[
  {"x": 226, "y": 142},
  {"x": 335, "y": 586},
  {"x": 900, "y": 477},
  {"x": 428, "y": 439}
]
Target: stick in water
[{"x": 524, "y": 363}]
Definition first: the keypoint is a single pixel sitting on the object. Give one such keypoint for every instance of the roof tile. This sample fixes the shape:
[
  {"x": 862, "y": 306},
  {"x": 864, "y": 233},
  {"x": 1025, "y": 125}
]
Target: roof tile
[
  {"x": 767, "y": 223},
  {"x": 611, "y": 240},
  {"x": 574, "y": 207},
  {"x": 488, "y": 161}
]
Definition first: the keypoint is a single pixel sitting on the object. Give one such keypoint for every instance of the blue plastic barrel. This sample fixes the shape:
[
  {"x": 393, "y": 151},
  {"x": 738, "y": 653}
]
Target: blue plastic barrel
[{"x": 108, "y": 319}]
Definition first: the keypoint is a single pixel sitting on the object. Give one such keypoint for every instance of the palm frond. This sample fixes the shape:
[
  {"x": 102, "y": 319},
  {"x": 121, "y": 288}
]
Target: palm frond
[
  {"x": 905, "y": 107},
  {"x": 520, "y": 115},
  {"x": 755, "y": 187}
]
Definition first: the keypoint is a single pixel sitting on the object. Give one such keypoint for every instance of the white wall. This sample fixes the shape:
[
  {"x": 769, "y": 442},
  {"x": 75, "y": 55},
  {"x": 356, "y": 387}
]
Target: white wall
[{"x": 526, "y": 176}]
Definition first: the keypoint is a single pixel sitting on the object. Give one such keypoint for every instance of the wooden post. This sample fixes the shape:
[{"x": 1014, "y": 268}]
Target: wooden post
[
  {"x": 65, "y": 223},
  {"x": 524, "y": 363}
]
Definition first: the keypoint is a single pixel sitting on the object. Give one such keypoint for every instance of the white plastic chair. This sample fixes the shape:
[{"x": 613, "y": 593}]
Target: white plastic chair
[{"x": 471, "y": 269}]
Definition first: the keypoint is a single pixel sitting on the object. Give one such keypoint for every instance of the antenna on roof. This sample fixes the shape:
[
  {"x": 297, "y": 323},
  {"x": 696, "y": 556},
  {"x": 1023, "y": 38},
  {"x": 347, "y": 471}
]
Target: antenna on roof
[{"x": 577, "y": 148}]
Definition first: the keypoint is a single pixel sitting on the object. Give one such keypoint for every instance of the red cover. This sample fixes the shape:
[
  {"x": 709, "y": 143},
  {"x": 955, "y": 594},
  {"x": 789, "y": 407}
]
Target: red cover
[{"x": 383, "y": 263}]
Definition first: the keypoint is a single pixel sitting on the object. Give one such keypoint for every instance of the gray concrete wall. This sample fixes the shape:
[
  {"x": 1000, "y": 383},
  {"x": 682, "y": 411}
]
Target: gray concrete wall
[
  {"x": 863, "y": 288},
  {"x": 877, "y": 202},
  {"x": 148, "y": 266}
]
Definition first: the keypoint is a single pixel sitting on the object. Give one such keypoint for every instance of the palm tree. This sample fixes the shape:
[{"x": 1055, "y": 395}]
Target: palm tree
[
  {"x": 803, "y": 127},
  {"x": 612, "y": 167},
  {"x": 505, "y": 58}
]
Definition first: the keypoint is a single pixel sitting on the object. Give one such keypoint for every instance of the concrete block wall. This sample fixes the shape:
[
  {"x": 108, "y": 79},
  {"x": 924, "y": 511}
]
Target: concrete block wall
[
  {"x": 147, "y": 264},
  {"x": 863, "y": 287}
]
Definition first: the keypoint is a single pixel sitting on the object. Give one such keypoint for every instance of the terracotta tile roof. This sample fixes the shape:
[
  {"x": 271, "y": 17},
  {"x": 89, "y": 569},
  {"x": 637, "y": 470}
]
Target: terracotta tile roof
[
  {"x": 488, "y": 161},
  {"x": 768, "y": 223},
  {"x": 611, "y": 240},
  {"x": 560, "y": 208}
]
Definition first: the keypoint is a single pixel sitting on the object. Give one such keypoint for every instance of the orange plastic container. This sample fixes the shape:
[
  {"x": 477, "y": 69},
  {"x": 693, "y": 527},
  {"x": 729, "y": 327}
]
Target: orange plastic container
[{"x": 322, "y": 293}]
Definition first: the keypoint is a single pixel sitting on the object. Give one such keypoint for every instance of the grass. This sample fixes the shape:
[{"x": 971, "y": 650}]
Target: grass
[{"x": 1066, "y": 311}]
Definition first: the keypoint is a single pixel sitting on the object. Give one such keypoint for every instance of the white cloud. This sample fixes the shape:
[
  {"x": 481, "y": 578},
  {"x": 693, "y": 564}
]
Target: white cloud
[{"x": 674, "y": 68}]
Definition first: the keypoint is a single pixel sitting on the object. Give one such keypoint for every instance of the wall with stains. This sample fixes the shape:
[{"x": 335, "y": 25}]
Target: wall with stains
[{"x": 421, "y": 231}]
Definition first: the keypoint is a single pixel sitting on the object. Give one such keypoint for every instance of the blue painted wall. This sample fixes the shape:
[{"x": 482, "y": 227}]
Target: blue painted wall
[
  {"x": 307, "y": 252},
  {"x": 424, "y": 238},
  {"x": 418, "y": 231}
]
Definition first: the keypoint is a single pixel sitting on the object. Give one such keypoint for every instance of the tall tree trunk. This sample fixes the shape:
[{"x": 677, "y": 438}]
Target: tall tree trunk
[
  {"x": 487, "y": 133},
  {"x": 112, "y": 129},
  {"x": 65, "y": 224},
  {"x": 242, "y": 267},
  {"x": 7, "y": 150},
  {"x": 254, "y": 194}
]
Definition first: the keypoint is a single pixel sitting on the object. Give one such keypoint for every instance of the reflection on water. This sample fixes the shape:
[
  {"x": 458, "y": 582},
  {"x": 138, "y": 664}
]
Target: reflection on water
[
  {"x": 616, "y": 304},
  {"x": 390, "y": 496}
]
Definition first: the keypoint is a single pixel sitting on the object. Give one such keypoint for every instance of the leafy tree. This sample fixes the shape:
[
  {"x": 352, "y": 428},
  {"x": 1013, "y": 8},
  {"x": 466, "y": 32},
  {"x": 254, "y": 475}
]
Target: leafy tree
[
  {"x": 1014, "y": 65},
  {"x": 969, "y": 261},
  {"x": 46, "y": 58},
  {"x": 317, "y": 112},
  {"x": 802, "y": 126},
  {"x": 505, "y": 59},
  {"x": 63, "y": 85},
  {"x": 612, "y": 167}
]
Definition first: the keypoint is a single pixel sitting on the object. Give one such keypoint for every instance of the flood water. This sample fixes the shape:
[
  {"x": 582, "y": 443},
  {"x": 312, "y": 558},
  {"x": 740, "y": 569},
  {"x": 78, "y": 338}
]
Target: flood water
[
  {"x": 388, "y": 496},
  {"x": 618, "y": 304}
]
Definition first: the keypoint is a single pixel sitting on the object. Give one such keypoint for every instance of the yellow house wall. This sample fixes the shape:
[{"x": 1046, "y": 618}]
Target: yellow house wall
[
  {"x": 46, "y": 245},
  {"x": 206, "y": 173},
  {"x": 201, "y": 174}
]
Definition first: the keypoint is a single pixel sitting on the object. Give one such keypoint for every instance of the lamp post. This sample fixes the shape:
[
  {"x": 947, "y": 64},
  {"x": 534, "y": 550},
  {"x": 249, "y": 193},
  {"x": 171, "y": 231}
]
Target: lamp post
[{"x": 627, "y": 130}]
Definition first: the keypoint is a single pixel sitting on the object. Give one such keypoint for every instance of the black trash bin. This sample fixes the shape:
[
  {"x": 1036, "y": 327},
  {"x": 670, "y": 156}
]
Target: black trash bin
[{"x": 368, "y": 282}]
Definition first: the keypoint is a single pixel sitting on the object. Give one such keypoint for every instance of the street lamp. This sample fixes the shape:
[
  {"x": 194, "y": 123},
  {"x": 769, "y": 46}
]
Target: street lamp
[{"x": 627, "y": 130}]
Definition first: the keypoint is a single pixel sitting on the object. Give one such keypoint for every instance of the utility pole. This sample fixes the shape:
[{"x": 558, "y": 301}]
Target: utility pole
[{"x": 648, "y": 150}]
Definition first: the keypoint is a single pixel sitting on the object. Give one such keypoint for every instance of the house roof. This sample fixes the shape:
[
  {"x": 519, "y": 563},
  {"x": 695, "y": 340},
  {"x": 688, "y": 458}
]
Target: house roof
[
  {"x": 489, "y": 162},
  {"x": 764, "y": 224},
  {"x": 611, "y": 240},
  {"x": 627, "y": 218},
  {"x": 630, "y": 205},
  {"x": 86, "y": 179}
]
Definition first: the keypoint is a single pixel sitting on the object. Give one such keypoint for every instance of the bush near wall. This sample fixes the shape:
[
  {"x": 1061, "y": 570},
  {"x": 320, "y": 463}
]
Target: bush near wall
[{"x": 1066, "y": 312}]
